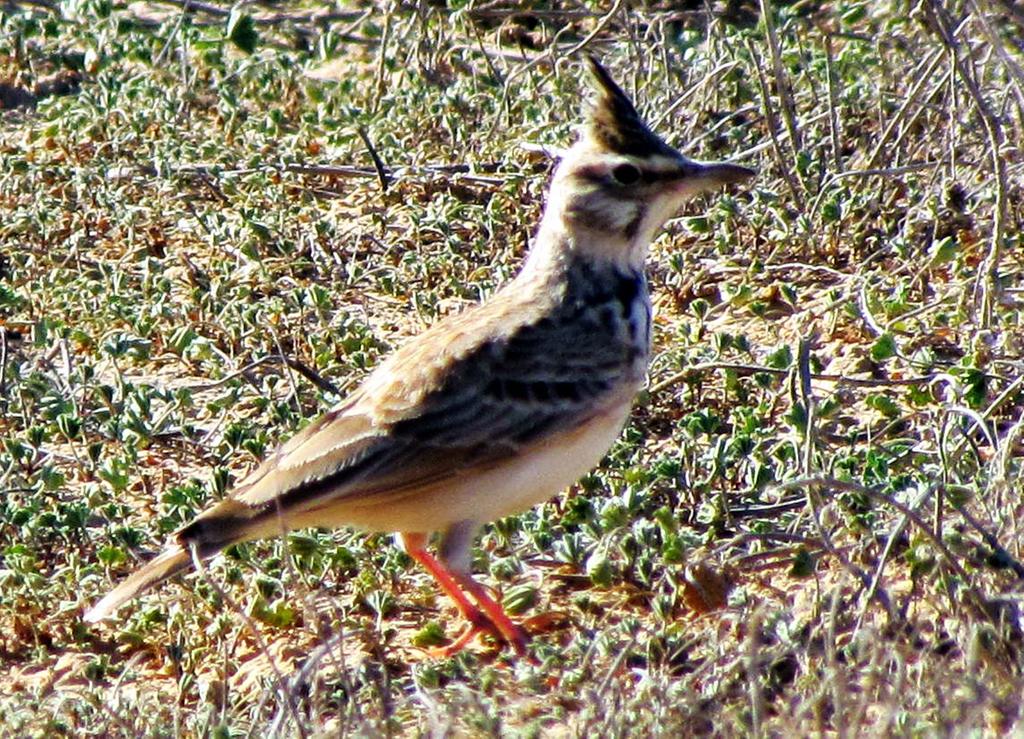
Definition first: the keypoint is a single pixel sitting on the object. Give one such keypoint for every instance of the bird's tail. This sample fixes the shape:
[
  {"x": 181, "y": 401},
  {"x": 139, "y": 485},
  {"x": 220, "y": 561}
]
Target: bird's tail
[{"x": 172, "y": 560}]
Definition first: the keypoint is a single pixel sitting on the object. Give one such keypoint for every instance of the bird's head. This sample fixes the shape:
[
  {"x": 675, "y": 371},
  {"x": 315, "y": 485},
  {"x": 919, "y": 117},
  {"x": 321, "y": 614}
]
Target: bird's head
[{"x": 620, "y": 182}]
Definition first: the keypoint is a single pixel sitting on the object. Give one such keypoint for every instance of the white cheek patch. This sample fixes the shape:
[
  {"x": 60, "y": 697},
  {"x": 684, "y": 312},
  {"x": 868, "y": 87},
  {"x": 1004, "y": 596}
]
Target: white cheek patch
[{"x": 652, "y": 218}]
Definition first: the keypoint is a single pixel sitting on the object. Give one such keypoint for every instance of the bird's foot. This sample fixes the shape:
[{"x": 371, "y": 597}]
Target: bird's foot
[{"x": 509, "y": 632}]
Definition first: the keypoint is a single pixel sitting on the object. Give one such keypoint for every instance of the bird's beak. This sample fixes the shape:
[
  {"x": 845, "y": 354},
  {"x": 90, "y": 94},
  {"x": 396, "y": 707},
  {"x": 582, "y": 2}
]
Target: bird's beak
[
  {"x": 713, "y": 174},
  {"x": 696, "y": 177}
]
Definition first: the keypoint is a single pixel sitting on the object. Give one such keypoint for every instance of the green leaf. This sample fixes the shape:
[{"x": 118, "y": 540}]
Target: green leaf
[
  {"x": 673, "y": 550},
  {"x": 520, "y": 599},
  {"x": 431, "y": 635},
  {"x": 111, "y": 556},
  {"x": 884, "y": 348},
  {"x": 853, "y": 14},
  {"x": 919, "y": 395},
  {"x": 975, "y": 385},
  {"x": 242, "y": 31},
  {"x": 884, "y": 405},
  {"x": 698, "y": 224},
  {"x": 943, "y": 250},
  {"x": 803, "y": 564},
  {"x": 599, "y": 569},
  {"x": 832, "y": 211},
  {"x": 781, "y": 358},
  {"x": 280, "y": 614},
  {"x": 303, "y": 545},
  {"x": 797, "y": 417}
]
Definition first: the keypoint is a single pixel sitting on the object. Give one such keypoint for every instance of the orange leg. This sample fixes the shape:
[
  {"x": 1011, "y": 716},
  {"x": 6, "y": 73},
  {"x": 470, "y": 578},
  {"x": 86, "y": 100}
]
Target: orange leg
[
  {"x": 510, "y": 631},
  {"x": 489, "y": 617}
]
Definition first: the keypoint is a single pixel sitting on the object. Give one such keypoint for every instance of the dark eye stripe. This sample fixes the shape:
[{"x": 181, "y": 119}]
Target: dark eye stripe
[
  {"x": 651, "y": 175},
  {"x": 599, "y": 175},
  {"x": 594, "y": 173}
]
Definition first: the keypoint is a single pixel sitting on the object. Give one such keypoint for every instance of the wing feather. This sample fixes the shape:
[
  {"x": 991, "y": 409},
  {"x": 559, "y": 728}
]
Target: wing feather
[{"x": 467, "y": 393}]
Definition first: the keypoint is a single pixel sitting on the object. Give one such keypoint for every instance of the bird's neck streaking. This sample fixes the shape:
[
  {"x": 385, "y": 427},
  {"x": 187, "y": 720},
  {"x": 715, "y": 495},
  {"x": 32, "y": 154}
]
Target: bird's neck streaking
[
  {"x": 607, "y": 299},
  {"x": 602, "y": 237},
  {"x": 614, "y": 302},
  {"x": 590, "y": 224}
]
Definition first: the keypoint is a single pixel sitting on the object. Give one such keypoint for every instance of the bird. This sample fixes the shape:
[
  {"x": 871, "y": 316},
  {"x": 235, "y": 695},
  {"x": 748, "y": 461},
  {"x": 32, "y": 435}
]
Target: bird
[{"x": 492, "y": 410}]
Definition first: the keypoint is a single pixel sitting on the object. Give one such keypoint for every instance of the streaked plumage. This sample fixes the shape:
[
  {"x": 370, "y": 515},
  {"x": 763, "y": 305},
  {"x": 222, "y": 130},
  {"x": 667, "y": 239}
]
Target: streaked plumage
[{"x": 496, "y": 409}]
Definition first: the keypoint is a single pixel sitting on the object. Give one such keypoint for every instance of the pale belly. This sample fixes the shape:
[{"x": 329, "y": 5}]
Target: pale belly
[{"x": 481, "y": 495}]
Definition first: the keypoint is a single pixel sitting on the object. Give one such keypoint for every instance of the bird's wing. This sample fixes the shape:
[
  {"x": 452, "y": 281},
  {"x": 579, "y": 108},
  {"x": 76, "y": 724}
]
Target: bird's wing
[{"x": 444, "y": 404}]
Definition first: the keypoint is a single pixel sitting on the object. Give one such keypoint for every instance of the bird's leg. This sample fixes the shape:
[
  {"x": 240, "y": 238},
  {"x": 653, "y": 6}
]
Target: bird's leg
[
  {"x": 489, "y": 617},
  {"x": 455, "y": 553},
  {"x": 510, "y": 631},
  {"x": 415, "y": 546}
]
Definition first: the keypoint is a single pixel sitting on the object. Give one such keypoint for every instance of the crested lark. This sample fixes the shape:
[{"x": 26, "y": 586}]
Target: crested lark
[{"x": 494, "y": 410}]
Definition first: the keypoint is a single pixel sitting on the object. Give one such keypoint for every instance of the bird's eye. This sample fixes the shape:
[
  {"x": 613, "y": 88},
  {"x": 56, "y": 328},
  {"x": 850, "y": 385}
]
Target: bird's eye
[{"x": 626, "y": 174}]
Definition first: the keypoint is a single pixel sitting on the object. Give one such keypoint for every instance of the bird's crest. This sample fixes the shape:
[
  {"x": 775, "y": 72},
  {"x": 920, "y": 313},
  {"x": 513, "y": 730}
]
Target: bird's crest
[{"x": 614, "y": 123}]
